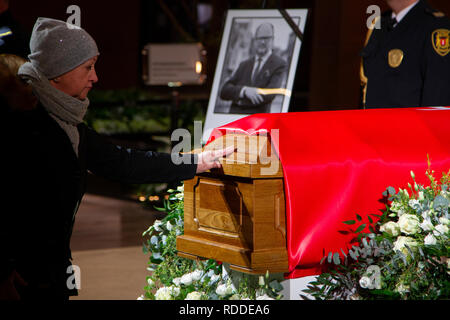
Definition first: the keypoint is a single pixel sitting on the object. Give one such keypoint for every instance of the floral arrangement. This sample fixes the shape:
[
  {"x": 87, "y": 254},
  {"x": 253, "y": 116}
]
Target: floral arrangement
[
  {"x": 177, "y": 278},
  {"x": 404, "y": 256}
]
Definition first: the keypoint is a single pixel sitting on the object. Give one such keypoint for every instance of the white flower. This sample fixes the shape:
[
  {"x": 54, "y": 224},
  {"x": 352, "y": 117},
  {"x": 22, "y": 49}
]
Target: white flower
[
  {"x": 194, "y": 295},
  {"x": 169, "y": 226},
  {"x": 141, "y": 297},
  {"x": 179, "y": 196},
  {"x": 264, "y": 297},
  {"x": 391, "y": 227},
  {"x": 224, "y": 290},
  {"x": 180, "y": 188},
  {"x": 186, "y": 279},
  {"x": 409, "y": 224},
  {"x": 444, "y": 220},
  {"x": 426, "y": 225},
  {"x": 156, "y": 225},
  {"x": 177, "y": 281},
  {"x": 399, "y": 244},
  {"x": 402, "y": 288},
  {"x": 150, "y": 282},
  {"x": 426, "y": 214},
  {"x": 440, "y": 230},
  {"x": 397, "y": 207},
  {"x": 415, "y": 204},
  {"x": 175, "y": 291},
  {"x": 365, "y": 282},
  {"x": 430, "y": 240},
  {"x": 197, "y": 275},
  {"x": 214, "y": 278},
  {"x": 164, "y": 293},
  {"x": 261, "y": 281}
]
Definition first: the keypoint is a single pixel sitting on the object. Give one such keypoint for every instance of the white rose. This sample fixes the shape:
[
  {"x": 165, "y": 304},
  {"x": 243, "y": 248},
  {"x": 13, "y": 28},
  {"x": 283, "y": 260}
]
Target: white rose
[
  {"x": 164, "y": 293},
  {"x": 197, "y": 275},
  {"x": 430, "y": 240},
  {"x": 224, "y": 290},
  {"x": 440, "y": 230},
  {"x": 194, "y": 295},
  {"x": 399, "y": 244},
  {"x": 409, "y": 224},
  {"x": 177, "y": 281},
  {"x": 186, "y": 279},
  {"x": 221, "y": 289},
  {"x": 365, "y": 282},
  {"x": 391, "y": 227}
]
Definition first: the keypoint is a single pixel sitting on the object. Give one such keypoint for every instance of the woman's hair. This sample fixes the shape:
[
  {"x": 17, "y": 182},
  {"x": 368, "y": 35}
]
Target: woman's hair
[{"x": 15, "y": 93}]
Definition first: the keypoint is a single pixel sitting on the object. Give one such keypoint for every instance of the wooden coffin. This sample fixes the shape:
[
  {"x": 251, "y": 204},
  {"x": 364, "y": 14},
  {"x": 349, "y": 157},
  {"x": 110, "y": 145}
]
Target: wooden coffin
[{"x": 236, "y": 214}]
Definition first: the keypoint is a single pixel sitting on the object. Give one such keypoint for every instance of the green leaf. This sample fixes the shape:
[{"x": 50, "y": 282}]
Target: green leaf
[
  {"x": 336, "y": 258},
  {"x": 349, "y": 222},
  {"x": 360, "y": 228},
  {"x": 391, "y": 190},
  {"x": 358, "y": 217}
]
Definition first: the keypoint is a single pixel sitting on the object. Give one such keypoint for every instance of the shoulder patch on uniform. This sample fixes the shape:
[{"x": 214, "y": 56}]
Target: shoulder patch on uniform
[{"x": 440, "y": 39}]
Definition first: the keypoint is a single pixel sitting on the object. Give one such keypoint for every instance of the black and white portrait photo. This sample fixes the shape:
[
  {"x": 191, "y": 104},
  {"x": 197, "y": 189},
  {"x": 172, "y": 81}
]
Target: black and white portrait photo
[{"x": 256, "y": 65}]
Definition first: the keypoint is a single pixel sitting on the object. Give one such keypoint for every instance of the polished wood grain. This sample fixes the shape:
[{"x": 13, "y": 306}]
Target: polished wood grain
[{"x": 237, "y": 214}]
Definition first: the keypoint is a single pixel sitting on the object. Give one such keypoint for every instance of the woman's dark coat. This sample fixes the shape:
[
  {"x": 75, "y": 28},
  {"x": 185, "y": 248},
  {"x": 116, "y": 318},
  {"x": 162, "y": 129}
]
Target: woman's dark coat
[{"x": 45, "y": 182}]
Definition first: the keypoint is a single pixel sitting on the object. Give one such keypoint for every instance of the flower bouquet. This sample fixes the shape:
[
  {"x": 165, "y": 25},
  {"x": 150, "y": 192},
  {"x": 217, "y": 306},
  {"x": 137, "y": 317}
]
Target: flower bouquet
[
  {"x": 177, "y": 278},
  {"x": 404, "y": 256}
]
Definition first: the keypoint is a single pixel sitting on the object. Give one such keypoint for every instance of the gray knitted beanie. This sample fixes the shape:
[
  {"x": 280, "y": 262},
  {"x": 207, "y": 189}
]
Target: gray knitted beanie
[{"x": 58, "y": 47}]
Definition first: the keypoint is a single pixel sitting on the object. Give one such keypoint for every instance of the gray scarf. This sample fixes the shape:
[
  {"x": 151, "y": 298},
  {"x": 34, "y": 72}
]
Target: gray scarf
[{"x": 66, "y": 110}]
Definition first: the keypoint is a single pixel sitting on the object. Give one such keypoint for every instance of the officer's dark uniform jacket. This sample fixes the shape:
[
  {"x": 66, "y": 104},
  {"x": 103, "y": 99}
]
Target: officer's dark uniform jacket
[
  {"x": 45, "y": 182},
  {"x": 409, "y": 65}
]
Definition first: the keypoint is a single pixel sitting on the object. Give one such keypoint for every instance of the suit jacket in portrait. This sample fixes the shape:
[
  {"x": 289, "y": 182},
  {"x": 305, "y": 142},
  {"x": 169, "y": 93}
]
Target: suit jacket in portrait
[{"x": 270, "y": 75}]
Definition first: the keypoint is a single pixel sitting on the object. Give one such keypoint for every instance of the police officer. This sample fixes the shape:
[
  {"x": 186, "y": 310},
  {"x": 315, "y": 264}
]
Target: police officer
[{"x": 406, "y": 62}]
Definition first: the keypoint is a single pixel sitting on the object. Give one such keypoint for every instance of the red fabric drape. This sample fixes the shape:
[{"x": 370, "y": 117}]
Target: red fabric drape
[{"x": 338, "y": 163}]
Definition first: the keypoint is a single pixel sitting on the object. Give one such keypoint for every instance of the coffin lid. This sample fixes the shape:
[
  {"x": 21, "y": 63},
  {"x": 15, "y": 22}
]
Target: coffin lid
[{"x": 254, "y": 156}]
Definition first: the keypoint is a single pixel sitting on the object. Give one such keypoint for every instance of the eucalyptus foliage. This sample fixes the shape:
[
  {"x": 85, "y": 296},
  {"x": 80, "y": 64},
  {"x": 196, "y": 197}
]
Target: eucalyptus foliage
[{"x": 404, "y": 256}]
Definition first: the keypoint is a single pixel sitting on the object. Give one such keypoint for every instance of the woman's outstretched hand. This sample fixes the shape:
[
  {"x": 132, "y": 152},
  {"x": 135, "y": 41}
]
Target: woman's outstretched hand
[{"x": 210, "y": 159}]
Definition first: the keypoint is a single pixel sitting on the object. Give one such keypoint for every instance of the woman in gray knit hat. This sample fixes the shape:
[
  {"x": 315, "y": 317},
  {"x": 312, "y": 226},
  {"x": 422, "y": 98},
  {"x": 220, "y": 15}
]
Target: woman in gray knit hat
[{"x": 49, "y": 154}]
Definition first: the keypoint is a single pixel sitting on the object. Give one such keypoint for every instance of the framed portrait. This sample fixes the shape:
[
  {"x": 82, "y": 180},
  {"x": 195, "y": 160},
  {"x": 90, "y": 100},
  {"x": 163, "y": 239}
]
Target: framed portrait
[{"x": 256, "y": 66}]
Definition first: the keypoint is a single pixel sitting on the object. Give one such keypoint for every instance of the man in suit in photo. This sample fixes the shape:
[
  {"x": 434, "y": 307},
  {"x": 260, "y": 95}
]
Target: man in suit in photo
[{"x": 265, "y": 70}]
